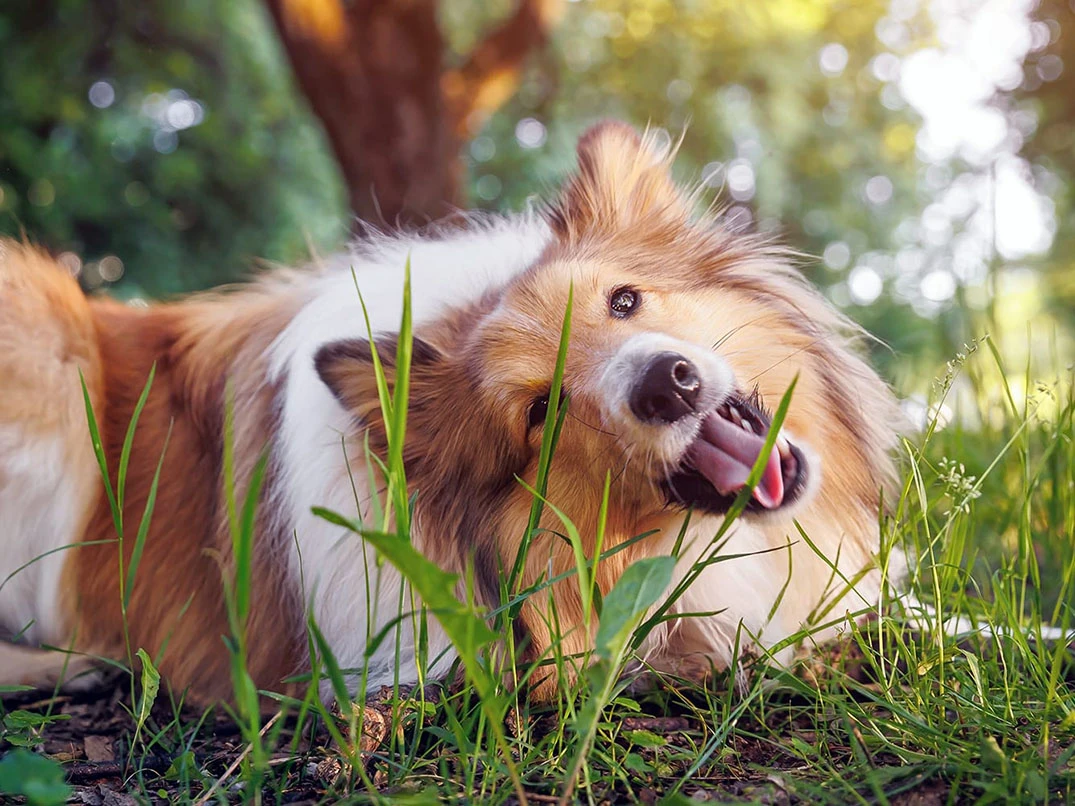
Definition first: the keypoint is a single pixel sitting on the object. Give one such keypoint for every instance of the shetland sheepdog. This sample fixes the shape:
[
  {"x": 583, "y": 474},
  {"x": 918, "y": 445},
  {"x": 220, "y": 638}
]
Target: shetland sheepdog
[{"x": 684, "y": 335}]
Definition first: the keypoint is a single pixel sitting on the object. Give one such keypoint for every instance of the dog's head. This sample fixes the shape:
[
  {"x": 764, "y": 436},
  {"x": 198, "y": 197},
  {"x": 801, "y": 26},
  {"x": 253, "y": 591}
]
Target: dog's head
[{"x": 683, "y": 335}]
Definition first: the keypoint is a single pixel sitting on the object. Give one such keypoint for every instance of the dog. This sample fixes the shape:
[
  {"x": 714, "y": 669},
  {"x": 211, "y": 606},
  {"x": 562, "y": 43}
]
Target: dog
[{"x": 683, "y": 335}]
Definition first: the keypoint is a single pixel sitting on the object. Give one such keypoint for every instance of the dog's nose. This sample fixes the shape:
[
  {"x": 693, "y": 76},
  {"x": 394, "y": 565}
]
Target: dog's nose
[{"x": 666, "y": 390}]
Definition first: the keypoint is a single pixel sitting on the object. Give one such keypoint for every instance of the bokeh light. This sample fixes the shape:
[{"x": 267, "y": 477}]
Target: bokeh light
[{"x": 921, "y": 149}]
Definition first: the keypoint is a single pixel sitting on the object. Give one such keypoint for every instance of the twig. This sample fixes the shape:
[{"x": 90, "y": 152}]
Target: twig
[{"x": 93, "y": 770}]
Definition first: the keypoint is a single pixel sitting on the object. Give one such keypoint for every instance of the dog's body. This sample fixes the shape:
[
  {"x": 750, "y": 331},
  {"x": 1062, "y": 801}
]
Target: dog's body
[{"x": 674, "y": 323}]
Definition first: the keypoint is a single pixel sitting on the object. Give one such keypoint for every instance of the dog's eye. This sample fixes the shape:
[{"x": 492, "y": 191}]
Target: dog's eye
[
  {"x": 535, "y": 415},
  {"x": 623, "y": 301}
]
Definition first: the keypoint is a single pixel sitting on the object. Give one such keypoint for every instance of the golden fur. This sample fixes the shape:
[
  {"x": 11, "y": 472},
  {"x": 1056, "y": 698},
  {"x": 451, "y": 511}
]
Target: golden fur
[{"x": 620, "y": 221}]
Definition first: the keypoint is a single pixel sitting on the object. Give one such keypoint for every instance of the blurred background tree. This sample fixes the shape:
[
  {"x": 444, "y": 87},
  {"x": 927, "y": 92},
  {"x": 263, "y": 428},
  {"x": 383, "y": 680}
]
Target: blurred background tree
[
  {"x": 922, "y": 151},
  {"x": 374, "y": 73},
  {"x": 162, "y": 143},
  {"x": 1046, "y": 100}
]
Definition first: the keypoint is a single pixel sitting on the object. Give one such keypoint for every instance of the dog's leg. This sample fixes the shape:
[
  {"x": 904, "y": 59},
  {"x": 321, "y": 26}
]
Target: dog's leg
[{"x": 45, "y": 668}]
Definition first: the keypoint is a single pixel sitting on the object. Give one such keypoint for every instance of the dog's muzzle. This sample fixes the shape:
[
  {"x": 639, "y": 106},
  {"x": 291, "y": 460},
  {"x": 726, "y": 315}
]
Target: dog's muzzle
[{"x": 730, "y": 439}]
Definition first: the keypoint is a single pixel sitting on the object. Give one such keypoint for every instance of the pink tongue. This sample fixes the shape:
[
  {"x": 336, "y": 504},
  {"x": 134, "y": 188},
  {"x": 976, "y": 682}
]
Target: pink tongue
[{"x": 724, "y": 453}]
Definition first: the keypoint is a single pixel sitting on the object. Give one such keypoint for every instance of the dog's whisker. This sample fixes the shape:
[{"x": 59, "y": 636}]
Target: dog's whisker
[
  {"x": 777, "y": 363},
  {"x": 732, "y": 331},
  {"x": 591, "y": 426}
]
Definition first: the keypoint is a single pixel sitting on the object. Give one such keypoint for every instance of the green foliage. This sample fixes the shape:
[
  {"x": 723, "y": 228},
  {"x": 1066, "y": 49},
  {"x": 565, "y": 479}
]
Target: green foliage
[
  {"x": 238, "y": 585},
  {"x": 638, "y": 589},
  {"x": 465, "y": 628},
  {"x": 635, "y": 592},
  {"x": 114, "y": 495},
  {"x": 549, "y": 436},
  {"x": 741, "y": 83},
  {"x": 1045, "y": 94},
  {"x": 181, "y": 208},
  {"x": 151, "y": 680},
  {"x": 38, "y": 779},
  {"x": 194, "y": 206},
  {"x": 21, "y": 728}
]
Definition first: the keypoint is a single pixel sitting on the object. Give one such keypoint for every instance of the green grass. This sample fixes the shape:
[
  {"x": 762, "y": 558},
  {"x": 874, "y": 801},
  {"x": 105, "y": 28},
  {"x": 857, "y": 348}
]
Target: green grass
[{"x": 900, "y": 709}]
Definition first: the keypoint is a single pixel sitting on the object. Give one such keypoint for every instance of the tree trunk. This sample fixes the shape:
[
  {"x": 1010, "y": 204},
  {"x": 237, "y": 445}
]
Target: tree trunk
[{"x": 373, "y": 73}]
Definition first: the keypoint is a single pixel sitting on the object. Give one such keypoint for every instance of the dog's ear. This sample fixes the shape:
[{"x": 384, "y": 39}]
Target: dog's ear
[
  {"x": 347, "y": 368},
  {"x": 623, "y": 180}
]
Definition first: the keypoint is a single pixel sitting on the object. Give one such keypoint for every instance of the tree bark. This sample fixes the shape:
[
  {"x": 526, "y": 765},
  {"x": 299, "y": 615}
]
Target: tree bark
[
  {"x": 373, "y": 73},
  {"x": 370, "y": 70}
]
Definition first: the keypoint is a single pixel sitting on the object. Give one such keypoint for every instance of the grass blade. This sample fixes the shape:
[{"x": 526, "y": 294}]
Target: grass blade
[
  {"x": 143, "y": 526},
  {"x": 102, "y": 460},
  {"x": 243, "y": 545},
  {"x": 549, "y": 437},
  {"x": 128, "y": 439}
]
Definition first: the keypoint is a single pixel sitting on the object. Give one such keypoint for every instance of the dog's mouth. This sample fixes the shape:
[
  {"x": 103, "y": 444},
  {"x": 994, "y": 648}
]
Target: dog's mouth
[{"x": 717, "y": 464}]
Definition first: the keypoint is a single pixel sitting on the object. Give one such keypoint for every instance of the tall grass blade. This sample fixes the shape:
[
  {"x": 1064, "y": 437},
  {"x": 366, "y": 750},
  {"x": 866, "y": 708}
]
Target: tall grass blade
[
  {"x": 243, "y": 542},
  {"x": 549, "y": 437},
  {"x": 151, "y": 679},
  {"x": 128, "y": 439},
  {"x": 638, "y": 589},
  {"x": 99, "y": 453},
  {"x": 143, "y": 526},
  {"x": 738, "y": 505}
]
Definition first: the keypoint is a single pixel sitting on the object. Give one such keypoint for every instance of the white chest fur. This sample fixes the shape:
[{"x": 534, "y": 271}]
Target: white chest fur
[{"x": 350, "y": 598}]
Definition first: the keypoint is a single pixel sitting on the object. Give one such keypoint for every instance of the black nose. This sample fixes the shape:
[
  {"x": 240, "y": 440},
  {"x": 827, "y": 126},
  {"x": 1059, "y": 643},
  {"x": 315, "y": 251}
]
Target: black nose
[{"x": 666, "y": 390}]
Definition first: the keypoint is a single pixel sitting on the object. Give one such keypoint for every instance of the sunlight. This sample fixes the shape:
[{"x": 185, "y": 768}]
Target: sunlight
[{"x": 992, "y": 209}]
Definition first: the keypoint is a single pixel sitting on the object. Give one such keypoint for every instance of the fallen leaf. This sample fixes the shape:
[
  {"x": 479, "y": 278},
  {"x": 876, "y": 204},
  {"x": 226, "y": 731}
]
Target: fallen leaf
[{"x": 98, "y": 748}]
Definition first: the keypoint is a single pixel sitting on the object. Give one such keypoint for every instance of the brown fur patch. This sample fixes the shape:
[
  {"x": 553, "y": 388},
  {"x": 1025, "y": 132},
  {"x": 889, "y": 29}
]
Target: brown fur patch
[
  {"x": 177, "y": 599},
  {"x": 176, "y": 604}
]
